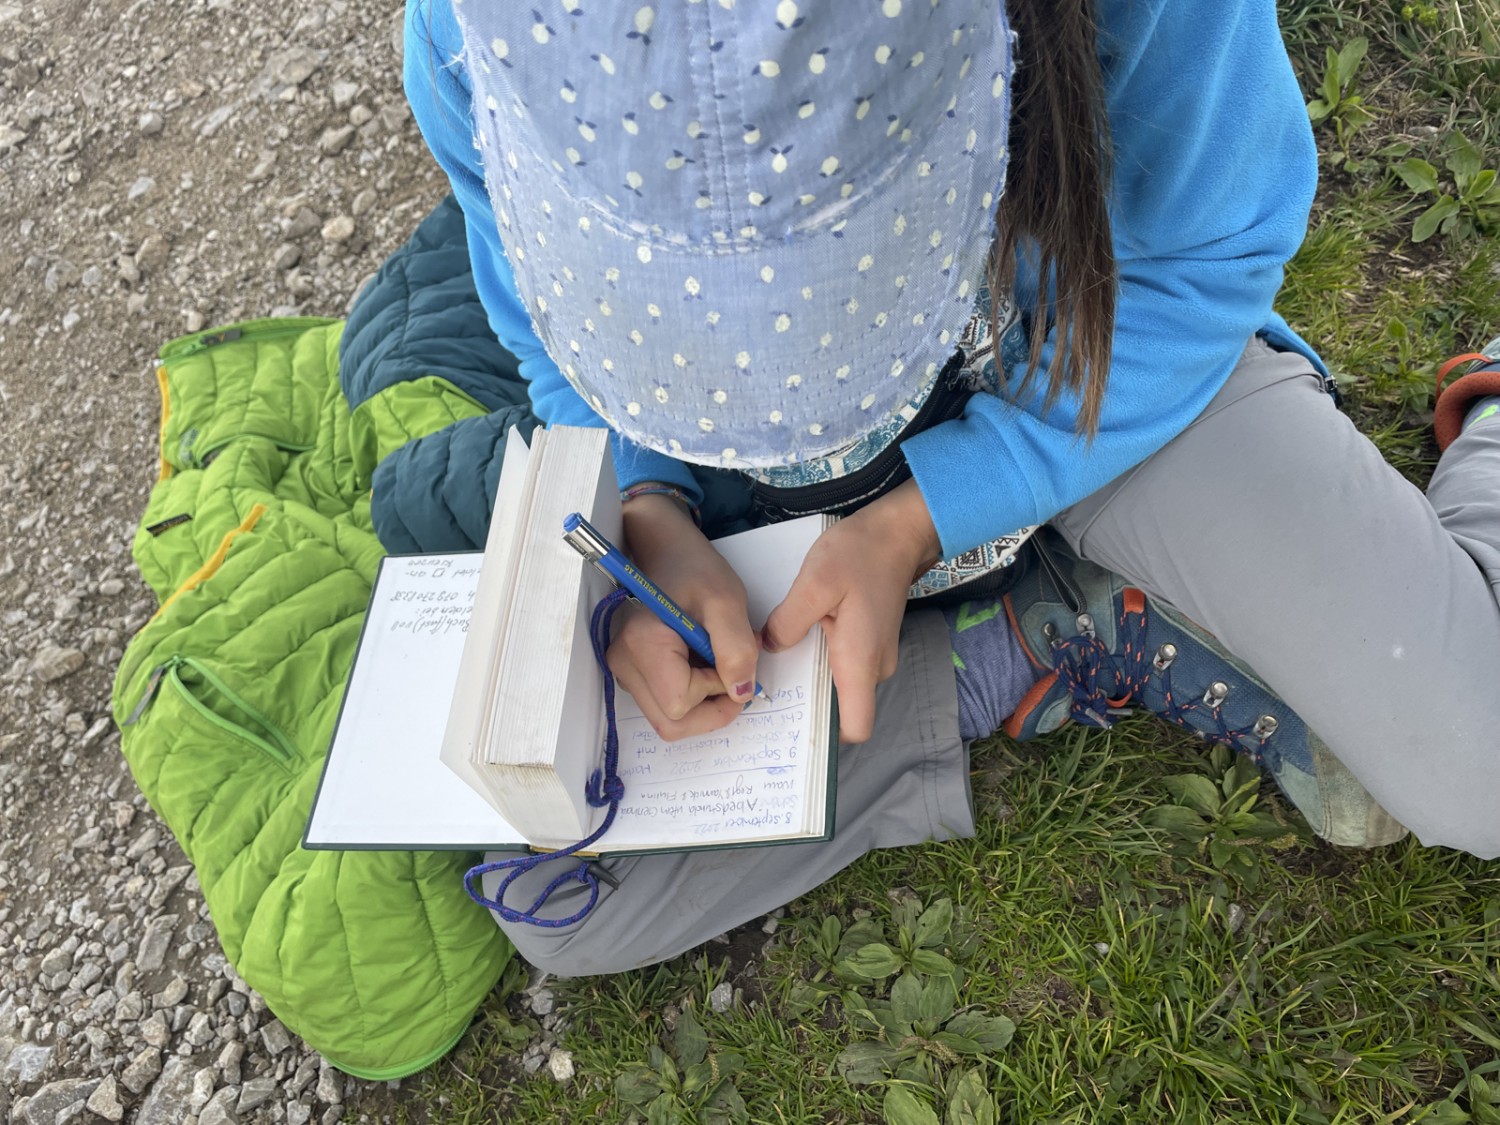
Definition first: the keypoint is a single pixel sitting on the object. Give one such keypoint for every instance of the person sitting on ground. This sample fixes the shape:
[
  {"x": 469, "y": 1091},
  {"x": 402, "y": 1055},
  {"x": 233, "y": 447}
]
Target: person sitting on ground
[{"x": 955, "y": 268}]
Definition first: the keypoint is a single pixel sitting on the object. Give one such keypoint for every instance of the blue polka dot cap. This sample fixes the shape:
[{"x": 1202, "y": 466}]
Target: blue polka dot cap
[{"x": 749, "y": 233}]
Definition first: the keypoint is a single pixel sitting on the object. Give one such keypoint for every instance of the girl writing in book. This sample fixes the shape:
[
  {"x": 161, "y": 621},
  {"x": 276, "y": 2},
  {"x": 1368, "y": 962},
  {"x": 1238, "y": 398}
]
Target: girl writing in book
[{"x": 955, "y": 269}]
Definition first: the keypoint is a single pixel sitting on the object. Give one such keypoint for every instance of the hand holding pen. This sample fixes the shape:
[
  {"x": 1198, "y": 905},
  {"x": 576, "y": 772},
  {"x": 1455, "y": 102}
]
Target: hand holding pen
[{"x": 660, "y": 658}]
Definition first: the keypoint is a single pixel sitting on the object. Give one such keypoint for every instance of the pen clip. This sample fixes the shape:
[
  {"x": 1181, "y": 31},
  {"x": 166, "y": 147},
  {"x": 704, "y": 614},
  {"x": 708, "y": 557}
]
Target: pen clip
[{"x": 584, "y": 538}]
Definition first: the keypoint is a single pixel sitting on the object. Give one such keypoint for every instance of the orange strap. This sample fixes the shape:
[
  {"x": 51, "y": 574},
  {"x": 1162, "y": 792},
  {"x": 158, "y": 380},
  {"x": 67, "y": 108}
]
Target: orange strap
[{"x": 1447, "y": 368}]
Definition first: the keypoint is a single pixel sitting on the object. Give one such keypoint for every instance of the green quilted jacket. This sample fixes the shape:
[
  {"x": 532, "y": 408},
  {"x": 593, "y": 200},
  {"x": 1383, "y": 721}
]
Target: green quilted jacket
[{"x": 259, "y": 543}]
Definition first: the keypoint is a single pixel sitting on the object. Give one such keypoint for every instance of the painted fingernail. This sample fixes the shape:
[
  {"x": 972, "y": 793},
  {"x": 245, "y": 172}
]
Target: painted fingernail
[{"x": 741, "y": 691}]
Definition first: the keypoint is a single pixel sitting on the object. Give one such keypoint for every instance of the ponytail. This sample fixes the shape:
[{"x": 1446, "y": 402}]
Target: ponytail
[{"x": 1055, "y": 208}]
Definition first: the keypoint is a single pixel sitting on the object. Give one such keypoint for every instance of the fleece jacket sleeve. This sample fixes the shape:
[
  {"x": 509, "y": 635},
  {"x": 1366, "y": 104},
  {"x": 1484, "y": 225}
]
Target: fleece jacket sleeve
[
  {"x": 1214, "y": 172},
  {"x": 441, "y": 98}
]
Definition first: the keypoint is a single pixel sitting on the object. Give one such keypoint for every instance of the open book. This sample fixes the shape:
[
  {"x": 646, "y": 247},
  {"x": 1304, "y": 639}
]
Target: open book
[{"x": 474, "y": 715}]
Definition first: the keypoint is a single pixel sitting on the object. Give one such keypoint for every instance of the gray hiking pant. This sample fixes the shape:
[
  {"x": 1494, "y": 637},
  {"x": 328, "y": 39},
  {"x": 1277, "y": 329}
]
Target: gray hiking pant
[{"x": 1276, "y": 525}]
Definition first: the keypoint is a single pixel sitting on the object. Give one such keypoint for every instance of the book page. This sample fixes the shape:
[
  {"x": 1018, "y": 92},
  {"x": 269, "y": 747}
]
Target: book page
[
  {"x": 763, "y": 777},
  {"x": 383, "y": 785}
]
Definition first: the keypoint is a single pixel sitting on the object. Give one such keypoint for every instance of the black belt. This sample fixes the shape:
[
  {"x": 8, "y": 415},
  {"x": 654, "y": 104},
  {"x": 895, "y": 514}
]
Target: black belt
[{"x": 950, "y": 393}]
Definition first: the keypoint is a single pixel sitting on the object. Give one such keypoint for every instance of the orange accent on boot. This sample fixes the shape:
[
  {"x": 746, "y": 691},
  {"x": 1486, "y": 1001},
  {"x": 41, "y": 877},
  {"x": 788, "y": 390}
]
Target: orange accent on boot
[
  {"x": 1454, "y": 401},
  {"x": 1015, "y": 630},
  {"x": 1134, "y": 600},
  {"x": 1029, "y": 703}
]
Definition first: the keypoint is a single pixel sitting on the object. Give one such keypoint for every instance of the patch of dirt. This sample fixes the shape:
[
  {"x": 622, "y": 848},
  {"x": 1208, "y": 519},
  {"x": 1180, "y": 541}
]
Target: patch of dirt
[{"x": 165, "y": 166}]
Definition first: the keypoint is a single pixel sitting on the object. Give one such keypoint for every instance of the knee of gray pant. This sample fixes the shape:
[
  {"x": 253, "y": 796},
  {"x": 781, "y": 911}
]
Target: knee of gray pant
[{"x": 579, "y": 950}]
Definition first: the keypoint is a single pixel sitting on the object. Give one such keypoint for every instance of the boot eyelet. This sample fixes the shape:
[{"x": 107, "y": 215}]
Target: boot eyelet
[
  {"x": 1217, "y": 692},
  {"x": 1265, "y": 726},
  {"x": 1164, "y": 657},
  {"x": 1086, "y": 625}
]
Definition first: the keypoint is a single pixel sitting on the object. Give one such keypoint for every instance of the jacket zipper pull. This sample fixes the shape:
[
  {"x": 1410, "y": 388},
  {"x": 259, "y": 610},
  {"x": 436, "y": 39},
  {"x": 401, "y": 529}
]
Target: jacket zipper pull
[{"x": 152, "y": 686}]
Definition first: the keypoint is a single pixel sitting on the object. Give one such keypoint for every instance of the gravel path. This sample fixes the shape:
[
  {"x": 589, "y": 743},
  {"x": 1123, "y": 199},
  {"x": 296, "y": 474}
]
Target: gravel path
[{"x": 165, "y": 165}]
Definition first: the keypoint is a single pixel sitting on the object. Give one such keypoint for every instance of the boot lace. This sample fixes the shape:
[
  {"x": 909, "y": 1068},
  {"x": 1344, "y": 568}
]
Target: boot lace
[{"x": 1103, "y": 684}]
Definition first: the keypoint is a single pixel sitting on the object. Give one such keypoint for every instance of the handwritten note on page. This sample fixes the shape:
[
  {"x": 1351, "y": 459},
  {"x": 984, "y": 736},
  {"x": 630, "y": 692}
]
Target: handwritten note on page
[
  {"x": 757, "y": 779},
  {"x": 384, "y": 784}
]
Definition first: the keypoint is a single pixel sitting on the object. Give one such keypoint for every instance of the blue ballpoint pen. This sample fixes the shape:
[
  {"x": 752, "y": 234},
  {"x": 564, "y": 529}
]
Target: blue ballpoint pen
[{"x": 584, "y": 538}]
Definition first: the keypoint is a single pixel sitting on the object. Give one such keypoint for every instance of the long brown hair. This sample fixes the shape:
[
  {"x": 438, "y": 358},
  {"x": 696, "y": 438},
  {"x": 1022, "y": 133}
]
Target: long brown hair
[{"x": 1055, "y": 207}]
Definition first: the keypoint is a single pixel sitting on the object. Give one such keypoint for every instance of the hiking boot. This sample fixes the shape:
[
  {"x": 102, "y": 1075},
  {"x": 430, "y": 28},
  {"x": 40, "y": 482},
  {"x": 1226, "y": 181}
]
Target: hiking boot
[
  {"x": 1454, "y": 400},
  {"x": 1106, "y": 647}
]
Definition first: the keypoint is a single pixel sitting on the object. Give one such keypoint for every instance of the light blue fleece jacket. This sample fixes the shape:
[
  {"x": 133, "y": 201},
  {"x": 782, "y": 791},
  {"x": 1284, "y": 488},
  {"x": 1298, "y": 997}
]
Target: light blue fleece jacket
[{"x": 1214, "y": 173}]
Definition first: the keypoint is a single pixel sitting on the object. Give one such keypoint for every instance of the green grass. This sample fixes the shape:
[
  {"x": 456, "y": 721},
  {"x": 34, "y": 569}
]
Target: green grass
[{"x": 1278, "y": 980}]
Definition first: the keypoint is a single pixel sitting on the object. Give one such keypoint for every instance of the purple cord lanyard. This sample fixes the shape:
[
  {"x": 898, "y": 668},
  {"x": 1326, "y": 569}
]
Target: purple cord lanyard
[{"x": 604, "y": 788}]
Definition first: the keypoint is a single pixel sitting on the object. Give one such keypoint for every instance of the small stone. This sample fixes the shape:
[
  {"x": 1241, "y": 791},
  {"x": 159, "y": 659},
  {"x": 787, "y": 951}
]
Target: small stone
[
  {"x": 1236, "y": 919},
  {"x": 543, "y": 1001},
  {"x": 303, "y": 223},
  {"x": 289, "y": 68},
  {"x": 211, "y": 124},
  {"x": 155, "y": 1030},
  {"x": 193, "y": 321},
  {"x": 298, "y": 283},
  {"x": 158, "y": 937},
  {"x": 220, "y": 1109},
  {"x": 360, "y": 114},
  {"x": 11, "y": 138},
  {"x": 393, "y": 115},
  {"x": 560, "y": 1063},
  {"x": 334, "y": 141},
  {"x": 105, "y": 1100},
  {"x": 139, "y": 188},
  {"x": 143, "y": 844},
  {"x": 297, "y": 1113},
  {"x": 53, "y": 663},
  {"x": 229, "y": 1061},
  {"x": 27, "y": 1062},
  {"x": 135, "y": 304},
  {"x": 49, "y": 1104},
  {"x": 111, "y": 588},
  {"x": 56, "y": 961},
  {"x": 61, "y": 274},
  {"x": 167, "y": 1103},
  {"x": 200, "y": 1030},
  {"x": 150, "y": 123},
  {"x": 264, "y": 166},
  {"x": 362, "y": 203},
  {"x": 1101, "y": 948},
  {"x": 142, "y": 1070},
  {"x": 152, "y": 254},
  {"x": 721, "y": 999},
  {"x": 330, "y": 1085},
  {"x": 287, "y": 255},
  {"x": 307, "y": 1070},
  {"x": 343, "y": 94},
  {"x": 256, "y": 1093},
  {"x": 274, "y": 1036},
  {"x": 70, "y": 320},
  {"x": 131, "y": 1008},
  {"x": 203, "y": 1088},
  {"x": 338, "y": 229}
]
